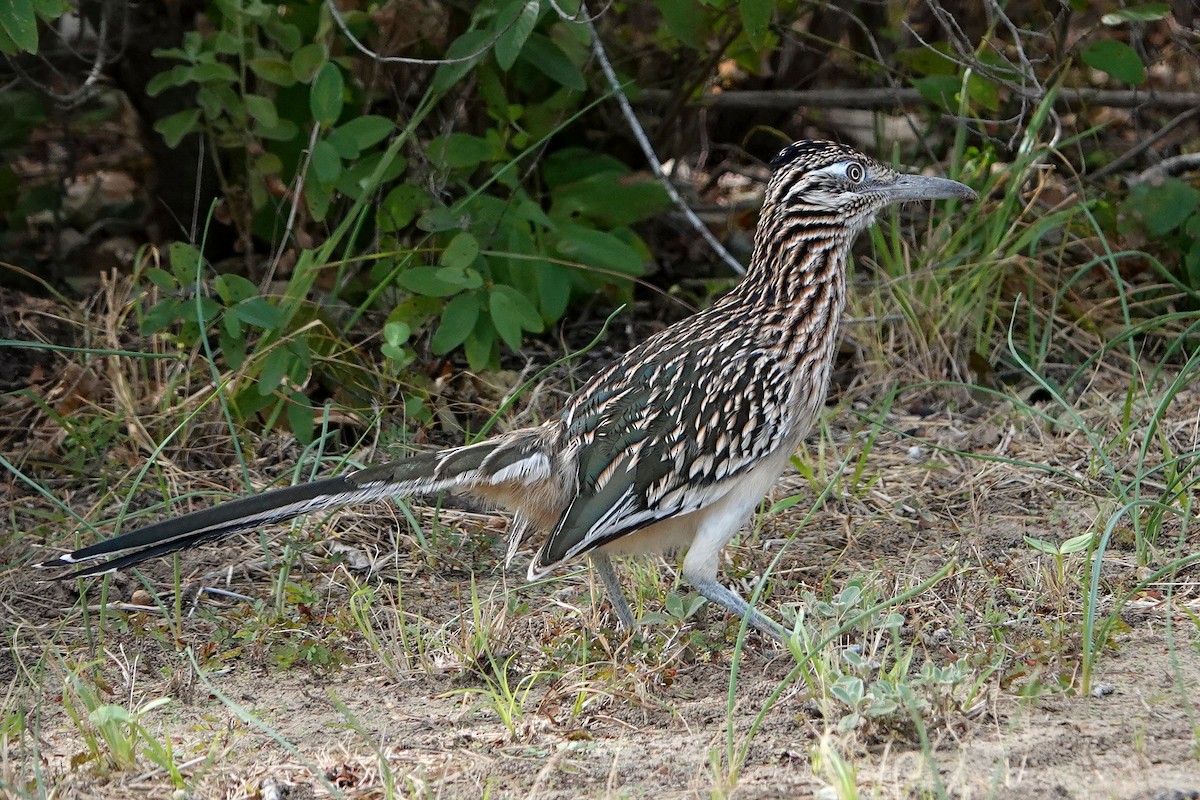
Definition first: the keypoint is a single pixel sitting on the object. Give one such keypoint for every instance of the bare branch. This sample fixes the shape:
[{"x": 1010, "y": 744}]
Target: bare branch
[
  {"x": 787, "y": 99},
  {"x": 648, "y": 151},
  {"x": 1174, "y": 165}
]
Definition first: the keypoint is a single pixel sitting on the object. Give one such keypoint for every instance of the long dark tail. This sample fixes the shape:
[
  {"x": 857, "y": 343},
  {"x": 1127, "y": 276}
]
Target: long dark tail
[{"x": 514, "y": 457}]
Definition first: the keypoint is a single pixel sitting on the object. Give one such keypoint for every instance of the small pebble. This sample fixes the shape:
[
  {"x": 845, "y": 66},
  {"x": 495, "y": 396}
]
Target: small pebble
[{"x": 1103, "y": 689}]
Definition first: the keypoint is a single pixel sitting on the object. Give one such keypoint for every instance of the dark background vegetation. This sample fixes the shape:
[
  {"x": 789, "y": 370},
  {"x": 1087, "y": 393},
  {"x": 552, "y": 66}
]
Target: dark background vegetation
[
  {"x": 403, "y": 182},
  {"x": 244, "y": 244}
]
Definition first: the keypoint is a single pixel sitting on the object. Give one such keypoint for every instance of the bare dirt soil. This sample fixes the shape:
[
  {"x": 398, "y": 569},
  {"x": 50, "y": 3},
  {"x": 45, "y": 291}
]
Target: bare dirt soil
[{"x": 484, "y": 687}]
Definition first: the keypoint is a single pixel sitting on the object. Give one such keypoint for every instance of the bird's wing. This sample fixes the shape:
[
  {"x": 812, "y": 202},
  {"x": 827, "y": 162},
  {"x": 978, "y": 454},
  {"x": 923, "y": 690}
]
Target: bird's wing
[{"x": 666, "y": 440}]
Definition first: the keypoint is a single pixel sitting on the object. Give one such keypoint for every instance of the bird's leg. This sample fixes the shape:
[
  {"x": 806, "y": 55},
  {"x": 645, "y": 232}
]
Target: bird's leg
[
  {"x": 612, "y": 587},
  {"x": 702, "y": 574}
]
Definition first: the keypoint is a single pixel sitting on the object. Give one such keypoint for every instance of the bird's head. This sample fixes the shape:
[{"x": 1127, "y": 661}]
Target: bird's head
[{"x": 837, "y": 185}]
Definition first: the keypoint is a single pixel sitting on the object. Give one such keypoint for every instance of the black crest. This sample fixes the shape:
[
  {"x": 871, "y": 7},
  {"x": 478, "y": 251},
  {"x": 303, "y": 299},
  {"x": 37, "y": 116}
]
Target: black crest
[{"x": 813, "y": 151}]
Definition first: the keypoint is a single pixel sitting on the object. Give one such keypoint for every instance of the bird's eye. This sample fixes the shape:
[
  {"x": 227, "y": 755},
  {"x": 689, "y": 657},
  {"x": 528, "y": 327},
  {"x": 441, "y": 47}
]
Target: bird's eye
[{"x": 855, "y": 172}]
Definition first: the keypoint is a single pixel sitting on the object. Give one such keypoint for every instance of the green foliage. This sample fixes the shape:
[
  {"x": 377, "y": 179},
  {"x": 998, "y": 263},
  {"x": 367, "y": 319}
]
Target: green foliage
[
  {"x": 276, "y": 346},
  {"x": 478, "y": 244},
  {"x": 113, "y": 735},
  {"x": 1150, "y": 12},
  {"x": 1168, "y": 214},
  {"x": 19, "y": 23},
  {"x": 1117, "y": 59},
  {"x": 22, "y": 112},
  {"x": 265, "y": 86}
]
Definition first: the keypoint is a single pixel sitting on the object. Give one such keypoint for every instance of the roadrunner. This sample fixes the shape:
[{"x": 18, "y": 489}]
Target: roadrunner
[{"x": 669, "y": 448}]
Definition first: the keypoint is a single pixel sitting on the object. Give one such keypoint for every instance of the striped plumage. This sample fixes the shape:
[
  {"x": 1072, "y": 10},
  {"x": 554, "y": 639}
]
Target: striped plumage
[{"x": 670, "y": 447}]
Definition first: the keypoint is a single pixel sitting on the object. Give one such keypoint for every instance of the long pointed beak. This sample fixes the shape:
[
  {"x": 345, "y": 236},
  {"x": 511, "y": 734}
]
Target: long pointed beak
[{"x": 921, "y": 187}]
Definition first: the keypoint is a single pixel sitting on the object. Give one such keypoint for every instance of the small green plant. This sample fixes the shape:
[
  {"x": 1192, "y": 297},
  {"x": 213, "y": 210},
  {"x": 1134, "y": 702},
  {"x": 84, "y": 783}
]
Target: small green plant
[
  {"x": 113, "y": 735},
  {"x": 838, "y": 773},
  {"x": 1167, "y": 213},
  {"x": 1076, "y": 544},
  {"x": 507, "y": 700}
]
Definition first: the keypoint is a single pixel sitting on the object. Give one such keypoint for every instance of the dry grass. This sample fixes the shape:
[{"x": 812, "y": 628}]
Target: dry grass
[{"x": 946, "y": 645}]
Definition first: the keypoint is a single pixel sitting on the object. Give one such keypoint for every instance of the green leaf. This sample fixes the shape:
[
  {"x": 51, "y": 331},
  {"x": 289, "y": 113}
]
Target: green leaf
[
  {"x": 268, "y": 164},
  {"x": 325, "y": 161},
  {"x": 317, "y": 197},
  {"x": 162, "y": 279},
  {"x": 275, "y": 367},
  {"x": 177, "y": 126},
  {"x": 283, "y": 131},
  {"x": 932, "y": 60},
  {"x": 1117, "y": 59},
  {"x": 284, "y": 34},
  {"x": 307, "y": 61},
  {"x": 262, "y": 109},
  {"x": 983, "y": 93},
  {"x": 52, "y": 9},
  {"x": 258, "y": 312},
  {"x": 941, "y": 90},
  {"x": 185, "y": 262},
  {"x": 1192, "y": 228},
  {"x": 109, "y": 715},
  {"x": 461, "y": 252},
  {"x": 273, "y": 69},
  {"x": 425, "y": 280},
  {"x": 231, "y": 327},
  {"x": 548, "y": 58},
  {"x": 357, "y": 176},
  {"x": 598, "y": 249},
  {"x": 19, "y": 22},
  {"x": 458, "y": 320},
  {"x": 1077, "y": 543},
  {"x": 577, "y": 163},
  {"x": 462, "y": 54},
  {"x": 460, "y": 150},
  {"x": 397, "y": 333},
  {"x": 610, "y": 199},
  {"x": 177, "y": 75},
  {"x": 554, "y": 289},
  {"x": 234, "y": 288},
  {"x": 400, "y": 206},
  {"x": 1041, "y": 545},
  {"x": 506, "y": 318},
  {"x": 1163, "y": 208},
  {"x": 439, "y": 219},
  {"x": 516, "y": 25},
  {"x": 360, "y": 133},
  {"x": 1191, "y": 264},
  {"x": 511, "y": 311},
  {"x": 1151, "y": 12},
  {"x": 300, "y": 417},
  {"x": 686, "y": 21},
  {"x": 232, "y": 343},
  {"x": 462, "y": 277},
  {"x": 480, "y": 346},
  {"x": 326, "y": 96},
  {"x": 214, "y": 72},
  {"x": 756, "y": 18},
  {"x": 201, "y": 310},
  {"x": 160, "y": 316},
  {"x": 849, "y": 689}
]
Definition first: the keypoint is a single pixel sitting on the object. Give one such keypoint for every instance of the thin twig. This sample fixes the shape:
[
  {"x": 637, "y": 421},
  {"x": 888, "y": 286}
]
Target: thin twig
[
  {"x": 1167, "y": 167},
  {"x": 651, "y": 157},
  {"x": 788, "y": 99},
  {"x": 1144, "y": 144}
]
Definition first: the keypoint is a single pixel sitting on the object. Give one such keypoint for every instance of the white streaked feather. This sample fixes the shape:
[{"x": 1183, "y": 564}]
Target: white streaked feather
[{"x": 534, "y": 467}]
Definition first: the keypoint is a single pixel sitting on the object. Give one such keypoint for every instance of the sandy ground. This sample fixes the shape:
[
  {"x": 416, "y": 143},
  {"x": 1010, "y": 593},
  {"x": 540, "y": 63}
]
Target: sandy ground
[{"x": 593, "y": 714}]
